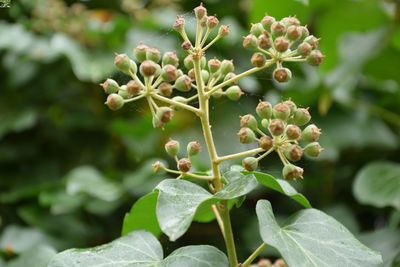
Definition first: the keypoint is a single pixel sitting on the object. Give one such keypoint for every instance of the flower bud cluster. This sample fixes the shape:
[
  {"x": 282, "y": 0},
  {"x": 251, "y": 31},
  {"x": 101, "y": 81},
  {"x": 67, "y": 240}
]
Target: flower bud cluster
[{"x": 282, "y": 133}]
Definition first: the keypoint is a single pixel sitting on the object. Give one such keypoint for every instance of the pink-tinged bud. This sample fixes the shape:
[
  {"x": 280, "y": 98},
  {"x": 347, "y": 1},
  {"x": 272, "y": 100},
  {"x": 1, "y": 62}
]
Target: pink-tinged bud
[
  {"x": 264, "y": 110},
  {"x": 267, "y": 21},
  {"x": 276, "y": 127},
  {"x": 212, "y": 22},
  {"x": 170, "y": 58},
  {"x": 264, "y": 40},
  {"x": 153, "y": 54},
  {"x": 172, "y": 147},
  {"x": 246, "y": 135},
  {"x": 179, "y": 24},
  {"x": 227, "y": 66},
  {"x": 313, "y": 149},
  {"x": 264, "y": 263},
  {"x": 203, "y": 22},
  {"x": 292, "y": 172},
  {"x": 257, "y": 29},
  {"x": 110, "y": 86},
  {"x": 133, "y": 87},
  {"x": 293, "y": 132},
  {"x": 123, "y": 92},
  {"x": 250, "y": 164},
  {"x": 282, "y": 75},
  {"x": 140, "y": 52},
  {"x": 157, "y": 123},
  {"x": 158, "y": 166},
  {"x": 258, "y": 60},
  {"x": 250, "y": 42},
  {"x": 169, "y": 73},
  {"x": 293, "y": 153},
  {"x": 304, "y": 32},
  {"x": 304, "y": 49},
  {"x": 183, "y": 83},
  {"x": 200, "y": 11},
  {"x": 266, "y": 142},
  {"x": 312, "y": 40},
  {"x": 234, "y": 93},
  {"x": 281, "y": 111},
  {"x": 214, "y": 65},
  {"x": 293, "y": 33},
  {"x": 114, "y": 101},
  {"x": 281, "y": 44},
  {"x": 193, "y": 148},
  {"x": 165, "y": 89},
  {"x": 165, "y": 114},
  {"x": 315, "y": 58},
  {"x": 301, "y": 117},
  {"x": 248, "y": 121},
  {"x": 186, "y": 46},
  {"x": 288, "y": 21},
  {"x": 311, "y": 133},
  {"x": 291, "y": 105},
  {"x": 229, "y": 76},
  {"x": 223, "y": 30},
  {"x": 184, "y": 165},
  {"x": 191, "y": 74},
  {"x": 148, "y": 68},
  {"x": 188, "y": 62},
  {"x": 122, "y": 62},
  {"x": 279, "y": 263},
  {"x": 278, "y": 29}
]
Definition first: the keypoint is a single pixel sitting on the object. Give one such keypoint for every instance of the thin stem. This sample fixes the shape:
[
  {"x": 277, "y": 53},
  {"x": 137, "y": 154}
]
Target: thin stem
[
  {"x": 264, "y": 51},
  {"x": 134, "y": 98},
  {"x": 154, "y": 103},
  {"x": 254, "y": 255},
  {"x": 282, "y": 157},
  {"x": 229, "y": 241},
  {"x": 239, "y": 155},
  {"x": 212, "y": 42},
  {"x": 198, "y": 33},
  {"x": 157, "y": 82},
  {"x": 192, "y": 98},
  {"x": 219, "y": 219},
  {"x": 292, "y": 59},
  {"x": 135, "y": 77},
  {"x": 265, "y": 154},
  {"x": 260, "y": 132},
  {"x": 193, "y": 175},
  {"x": 205, "y": 37},
  {"x": 148, "y": 97},
  {"x": 175, "y": 103}
]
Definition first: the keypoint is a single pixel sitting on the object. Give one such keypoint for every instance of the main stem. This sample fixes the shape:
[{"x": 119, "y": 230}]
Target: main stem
[{"x": 205, "y": 124}]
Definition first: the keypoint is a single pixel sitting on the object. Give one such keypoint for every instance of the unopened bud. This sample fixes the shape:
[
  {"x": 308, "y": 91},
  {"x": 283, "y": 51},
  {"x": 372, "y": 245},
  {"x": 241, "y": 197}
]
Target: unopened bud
[
  {"x": 293, "y": 153},
  {"x": 301, "y": 117},
  {"x": 257, "y": 29},
  {"x": 165, "y": 114},
  {"x": 184, "y": 165},
  {"x": 205, "y": 75},
  {"x": 281, "y": 44},
  {"x": 172, "y": 147},
  {"x": 276, "y": 127},
  {"x": 188, "y": 62},
  {"x": 234, "y": 93},
  {"x": 179, "y": 24},
  {"x": 122, "y": 92},
  {"x": 158, "y": 166},
  {"x": 304, "y": 32},
  {"x": 250, "y": 164},
  {"x": 186, "y": 46},
  {"x": 267, "y": 21},
  {"x": 246, "y": 135},
  {"x": 229, "y": 76},
  {"x": 264, "y": 263},
  {"x": 315, "y": 58},
  {"x": 218, "y": 93},
  {"x": 258, "y": 60},
  {"x": 157, "y": 123},
  {"x": 313, "y": 149},
  {"x": 200, "y": 11},
  {"x": 169, "y": 73},
  {"x": 250, "y": 42},
  {"x": 183, "y": 83},
  {"x": 278, "y": 29},
  {"x": 193, "y": 148},
  {"x": 293, "y": 33},
  {"x": 212, "y": 22},
  {"x": 148, "y": 68},
  {"x": 292, "y": 132},
  {"x": 291, "y": 105},
  {"x": 153, "y": 54},
  {"x": 264, "y": 110},
  {"x": 223, "y": 30},
  {"x": 165, "y": 89},
  {"x": 311, "y": 133},
  {"x": 282, "y": 75},
  {"x": 114, "y": 101},
  {"x": 265, "y": 123},
  {"x": 281, "y": 111},
  {"x": 110, "y": 86},
  {"x": 292, "y": 172},
  {"x": 140, "y": 52},
  {"x": 266, "y": 142},
  {"x": 280, "y": 262},
  {"x": 304, "y": 49},
  {"x": 288, "y": 21},
  {"x": 214, "y": 65},
  {"x": 248, "y": 121},
  {"x": 133, "y": 87},
  {"x": 312, "y": 40},
  {"x": 264, "y": 40},
  {"x": 122, "y": 62},
  {"x": 170, "y": 58}
]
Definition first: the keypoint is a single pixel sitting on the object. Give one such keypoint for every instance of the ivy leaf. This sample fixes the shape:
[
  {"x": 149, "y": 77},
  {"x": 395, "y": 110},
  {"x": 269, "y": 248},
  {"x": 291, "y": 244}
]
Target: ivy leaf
[
  {"x": 140, "y": 249},
  {"x": 378, "y": 184},
  {"x": 312, "y": 238},
  {"x": 281, "y": 186}
]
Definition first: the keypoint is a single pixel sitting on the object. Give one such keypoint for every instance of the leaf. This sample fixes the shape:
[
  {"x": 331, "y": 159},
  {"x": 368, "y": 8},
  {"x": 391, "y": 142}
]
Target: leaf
[
  {"x": 378, "y": 184},
  {"x": 281, "y": 186},
  {"x": 38, "y": 256},
  {"x": 312, "y": 238},
  {"x": 142, "y": 216},
  {"x": 140, "y": 249}
]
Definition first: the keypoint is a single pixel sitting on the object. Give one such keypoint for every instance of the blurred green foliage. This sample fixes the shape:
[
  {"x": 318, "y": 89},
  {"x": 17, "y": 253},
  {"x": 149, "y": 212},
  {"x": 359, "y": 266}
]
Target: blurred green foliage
[{"x": 70, "y": 169}]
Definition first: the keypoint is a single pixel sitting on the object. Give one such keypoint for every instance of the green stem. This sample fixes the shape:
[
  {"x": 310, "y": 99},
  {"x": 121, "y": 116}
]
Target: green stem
[
  {"x": 239, "y": 155},
  {"x": 212, "y": 42},
  {"x": 254, "y": 255},
  {"x": 175, "y": 103},
  {"x": 229, "y": 241}
]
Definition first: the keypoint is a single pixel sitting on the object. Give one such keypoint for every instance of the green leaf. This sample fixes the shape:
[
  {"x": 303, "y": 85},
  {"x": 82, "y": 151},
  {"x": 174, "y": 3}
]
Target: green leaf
[
  {"x": 312, "y": 238},
  {"x": 281, "y": 186},
  {"x": 140, "y": 249},
  {"x": 142, "y": 216},
  {"x": 378, "y": 184},
  {"x": 38, "y": 256}
]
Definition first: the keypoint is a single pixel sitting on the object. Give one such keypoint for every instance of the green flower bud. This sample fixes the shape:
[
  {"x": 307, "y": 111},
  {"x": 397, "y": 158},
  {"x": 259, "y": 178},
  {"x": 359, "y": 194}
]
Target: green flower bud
[
  {"x": 110, "y": 86},
  {"x": 265, "y": 123},
  {"x": 312, "y": 40},
  {"x": 311, "y": 133},
  {"x": 200, "y": 11},
  {"x": 264, "y": 263},
  {"x": 282, "y": 75},
  {"x": 248, "y": 121},
  {"x": 276, "y": 127},
  {"x": 257, "y": 29},
  {"x": 293, "y": 33},
  {"x": 304, "y": 32},
  {"x": 153, "y": 54},
  {"x": 279, "y": 263},
  {"x": 158, "y": 167},
  {"x": 267, "y": 21},
  {"x": 133, "y": 87},
  {"x": 266, "y": 142},
  {"x": 165, "y": 89},
  {"x": 301, "y": 117},
  {"x": 229, "y": 76},
  {"x": 264, "y": 41},
  {"x": 291, "y": 105},
  {"x": 183, "y": 83},
  {"x": 218, "y": 93},
  {"x": 170, "y": 58},
  {"x": 246, "y": 135},
  {"x": 315, "y": 58},
  {"x": 158, "y": 71},
  {"x": 250, "y": 42},
  {"x": 193, "y": 148},
  {"x": 214, "y": 65},
  {"x": 184, "y": 165},
  {"x": 169, "y": 73},
  {"x": 234, "y": 93},
  {"x": 278, "y": 29},
  {"x": 313, "y": 149},
  {"x": 293, "y": 152},
  {"x": 258, "y": 60},
  {"x": 264, "y": 110},
  {"x": 122, "y": 62},
  {"x": 205, "y": 75},
  {"x": 179, "y": 25},
  {"x": 292, "y": 172},
  {"x": 172, "y": 147},
  {"x": 203, "y": 62},
  {"x": 157, "y": 123},
  {"x": 179, "y": 99},
  {"x": 122, "y": 92},
  {"x": 304, "y": 49},
  {"x": 212, "y": 22},
  {"x": 281, "y": 44},
  {"x": 281, "y": 111},
  {"x": 223, "y": 30},
  {"x": 148, "y": 68},
  {"x": 188, "y": 62},
  {"x": 227, "y": 66},
  {"x": 165, "y": 114},
  {"x": 191, "y": 74},
  {"x": 289, "y": 21},
  {"x": 292, "y": 132},
  {"x": 114, "y": 101},
  {"x": 250, "y": 163},
  {"x": 203, "y": 22},
  {"x": 140, "y": 52}
]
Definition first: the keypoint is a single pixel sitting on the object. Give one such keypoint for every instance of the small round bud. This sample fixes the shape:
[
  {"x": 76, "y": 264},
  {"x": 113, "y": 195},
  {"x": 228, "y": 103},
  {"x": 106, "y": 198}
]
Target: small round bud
[
  {"x": 157, "y": 123},
  {"x": 203, "y": 22},
  {"x": 169, "y": 73},
  {"x": 184, "y": 165},
  {"x": 292, "y": 172},
  {"x": 110, "y": 86},
  {"x": 140, "y": 52},
  {"x": 264, "y": 110},
  {"x": 218, "y": 93},
  {"x": 186, "y": 46},
  {"x": 114, "y": 101},
  {"x": 248, "y": 121},
  {"x": 212, "y": 22},
  {"x": 234, "y": 93},
  {"x": 276, "y": 127},
  {"x": 188, "y": 62},
  {"x": 257, "y": 29},
  {"x": 312, "y": 40},
  {"x": 293, "y": 33},
  {"x": 122, "y": 62},
  {"x": 170, "y": 58},
  {"x": 246, "y": 135},
  {"x": 281, "y": 44},
  {"x": 265, "y": 123},
  {"x": 267, "y": 21},
  {"x": 183, "y": 83},
  {"x": 227, "y": 66},
  {"x": 278, "y": 29},
  {"x": 266, "y": 142},
  {"x": 280, "y": 263},
  {"x": 223, "y": 30},
  {"x": 312, "y": 149},
  {"x": 281, "y": 111},
  {"x": 289, "y": 21},
  {"x": 172, "y": 147},
  {"x": 200, "y": 11},
  {"x": 250, "y": 42},
  {"x": 304, "y": 32},
  {"x": 122, "y": 92},
  {"x": 258, "y": 60},
  {"x": 158, "y": 166},
  {"x": 292, "y": 132},
  {"x": 291, "y": 105},
  {"x": 165, "y": 89},
  {"x": 153, "y": 54},
  {"x": 179, "y": 24},
  {"x": 214, "y": 65},
  {"x": 301, "y": 117},
  {"x": 165, "y": 114},
  {"x": 148, "y": 68},
  {"x": 191, "y": 74},
  {"x": 250, "y": 164},
  {"x": 311, "y": 133},
  {"x": 133, "y": 87},
  {"x": 264, "y": 263},
  {"x": 264, "y": 41},
  {"x": 293, "y": 153},
  {"x": 205, "y": 75},
  {"x": 179, "y": 99},
  {"x": 193, "y": 148},
  {"x": 315, "y": 58},
  {"x": 229, "y": 76},
  {"x": 304, "y": 49},
  {"x": 282, "y": 75}
]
